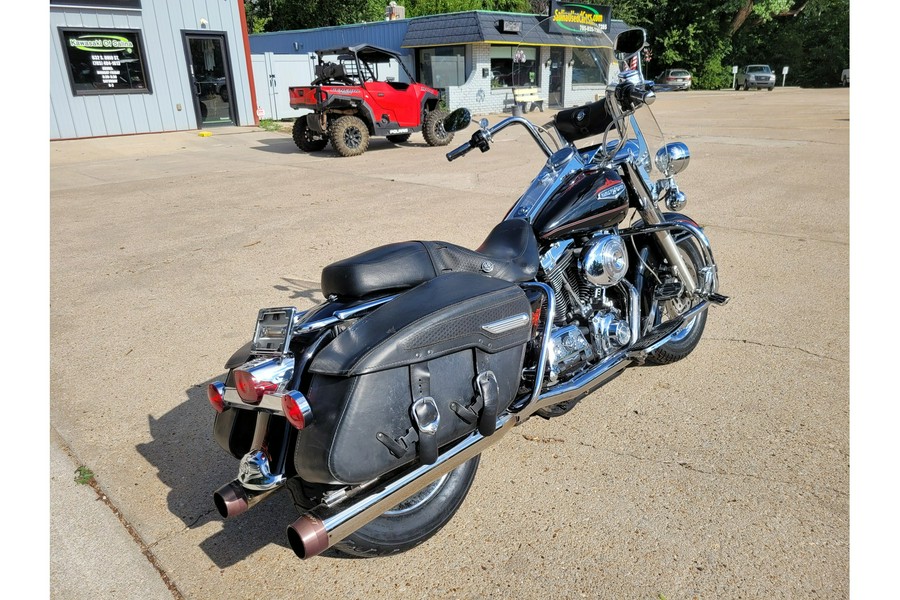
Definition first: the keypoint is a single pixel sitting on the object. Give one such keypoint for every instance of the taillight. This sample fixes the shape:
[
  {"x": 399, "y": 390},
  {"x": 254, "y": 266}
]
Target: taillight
[
  {"x": 250, "y": 389},
  {"x": 296, "y": 409},
  {"x": 216, "y": 393}
]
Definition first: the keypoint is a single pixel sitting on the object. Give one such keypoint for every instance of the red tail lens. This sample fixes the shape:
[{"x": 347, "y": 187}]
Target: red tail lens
[
  {"x": 250, "y": 389},
  {"x": 216, "y": 393},
  {"x": 296, "y": 409}
]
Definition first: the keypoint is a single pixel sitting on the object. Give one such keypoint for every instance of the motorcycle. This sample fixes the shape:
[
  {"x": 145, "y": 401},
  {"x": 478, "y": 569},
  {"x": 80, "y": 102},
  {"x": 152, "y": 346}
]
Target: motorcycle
[{"x": 374, "y": 407}]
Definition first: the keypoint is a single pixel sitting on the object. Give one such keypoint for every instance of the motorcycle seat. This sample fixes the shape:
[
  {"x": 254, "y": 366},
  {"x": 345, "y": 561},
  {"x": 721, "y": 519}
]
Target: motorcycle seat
[{"x": 509, "y": 253}]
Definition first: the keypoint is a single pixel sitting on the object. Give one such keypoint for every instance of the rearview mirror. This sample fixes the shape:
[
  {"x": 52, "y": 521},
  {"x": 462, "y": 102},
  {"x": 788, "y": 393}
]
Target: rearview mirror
[
  {"x": 628, "y": 42},
  {"x": 458, "y": 120}
]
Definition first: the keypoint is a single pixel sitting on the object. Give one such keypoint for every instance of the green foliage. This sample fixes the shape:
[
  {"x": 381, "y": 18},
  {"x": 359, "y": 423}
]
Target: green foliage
[
  {"x": 815, "y": 44},
  {"x": 419, "y": 8},
  {"x": 285, "y": 15},
  {"x": 269, "y": 124},
  {"x": 83, "y": 476}
]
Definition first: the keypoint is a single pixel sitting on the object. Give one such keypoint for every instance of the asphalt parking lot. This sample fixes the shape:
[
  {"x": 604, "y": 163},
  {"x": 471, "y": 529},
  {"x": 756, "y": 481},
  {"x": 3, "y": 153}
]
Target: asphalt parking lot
[{"x": 723, "y": 476}]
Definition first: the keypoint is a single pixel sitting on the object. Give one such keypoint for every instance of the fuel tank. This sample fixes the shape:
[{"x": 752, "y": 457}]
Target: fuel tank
[{"x": 591, "y": 199}]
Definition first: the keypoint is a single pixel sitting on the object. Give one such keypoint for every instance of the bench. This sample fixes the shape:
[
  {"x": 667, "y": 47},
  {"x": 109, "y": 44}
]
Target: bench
[{"x": 523, "y": 96}]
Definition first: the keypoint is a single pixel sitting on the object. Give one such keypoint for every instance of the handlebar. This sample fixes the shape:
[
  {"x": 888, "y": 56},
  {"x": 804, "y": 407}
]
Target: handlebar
[
  {"x": 625, "y": 96},
  {"x": 481, "y": 138}
]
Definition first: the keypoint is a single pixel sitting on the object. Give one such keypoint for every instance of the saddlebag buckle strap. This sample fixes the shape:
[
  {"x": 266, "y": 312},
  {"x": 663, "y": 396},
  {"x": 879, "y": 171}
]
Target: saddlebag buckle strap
[
  {"x": 489, "y": 396},
  {"x": 424, "y": 412}
]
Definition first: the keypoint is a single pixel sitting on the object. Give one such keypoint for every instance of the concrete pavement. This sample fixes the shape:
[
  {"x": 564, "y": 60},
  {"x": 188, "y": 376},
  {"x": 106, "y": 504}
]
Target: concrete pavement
[{"x": 722, "y": 476}]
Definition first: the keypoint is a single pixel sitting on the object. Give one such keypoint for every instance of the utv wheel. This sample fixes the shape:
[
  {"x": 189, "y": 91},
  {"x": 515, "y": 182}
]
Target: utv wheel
[
  {"x": 686, "y": 338},
  {"x": 399, "y": 138},
  {"x": 349, "y": 136},
  {"x": 305, "y": 139},
  {"x": 433, "y": 129},
  {"x": 414, "y": 520}
]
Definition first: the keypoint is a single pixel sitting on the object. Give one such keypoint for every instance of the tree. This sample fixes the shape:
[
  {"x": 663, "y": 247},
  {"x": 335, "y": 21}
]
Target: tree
[{"x": 285, "y": 15}]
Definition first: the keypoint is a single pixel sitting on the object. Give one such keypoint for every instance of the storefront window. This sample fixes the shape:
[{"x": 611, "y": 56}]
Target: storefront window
[
  {"x": 590, "y": 66},
  {"x": 442, "y": 66},
  {"x": 105, "y": 61},
  {"x": 513, "y": 66}
]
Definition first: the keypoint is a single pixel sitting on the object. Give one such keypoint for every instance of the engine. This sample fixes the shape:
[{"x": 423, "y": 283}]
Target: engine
[{"x": 592, "y": 317}]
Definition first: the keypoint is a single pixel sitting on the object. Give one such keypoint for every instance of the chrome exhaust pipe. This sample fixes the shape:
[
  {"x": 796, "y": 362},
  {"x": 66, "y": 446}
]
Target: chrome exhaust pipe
[
  {"x": 324, "y": 526},
  {"x": 233, "y": 499}
]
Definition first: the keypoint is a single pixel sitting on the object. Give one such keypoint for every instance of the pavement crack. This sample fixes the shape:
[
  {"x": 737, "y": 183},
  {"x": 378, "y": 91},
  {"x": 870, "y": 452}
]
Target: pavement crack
[
  {"x": 804, "y": 350},
  {"x": 781, "y": 235},
  {"x": 145, "y": 549},
  {"x": 718, "y": 472}
]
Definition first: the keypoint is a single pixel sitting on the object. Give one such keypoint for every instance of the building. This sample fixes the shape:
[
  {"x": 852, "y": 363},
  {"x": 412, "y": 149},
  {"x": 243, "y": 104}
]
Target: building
[
  {"x": 475, "y": 58},
  {"x": 142, "y": 66}
]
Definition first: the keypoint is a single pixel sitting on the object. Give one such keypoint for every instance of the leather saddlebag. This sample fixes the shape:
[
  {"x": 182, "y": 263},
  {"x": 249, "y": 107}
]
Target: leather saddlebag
[{"x": 419, "y": 372}]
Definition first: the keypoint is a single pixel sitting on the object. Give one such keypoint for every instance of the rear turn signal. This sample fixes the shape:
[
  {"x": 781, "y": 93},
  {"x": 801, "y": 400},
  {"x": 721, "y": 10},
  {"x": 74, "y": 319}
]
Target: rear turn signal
[
  {"x": 216, "y": 393},
  {"x": 250, "y": 389},
  {"x": 296, "y": 409}
]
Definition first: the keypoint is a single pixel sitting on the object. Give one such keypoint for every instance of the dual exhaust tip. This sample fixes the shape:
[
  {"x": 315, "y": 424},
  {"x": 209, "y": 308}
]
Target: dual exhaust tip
[{"x": 307, "y": 536}]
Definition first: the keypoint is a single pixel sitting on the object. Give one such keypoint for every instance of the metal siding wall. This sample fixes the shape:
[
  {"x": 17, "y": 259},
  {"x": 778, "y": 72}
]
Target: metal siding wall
[{"x": 161, "y": 23}]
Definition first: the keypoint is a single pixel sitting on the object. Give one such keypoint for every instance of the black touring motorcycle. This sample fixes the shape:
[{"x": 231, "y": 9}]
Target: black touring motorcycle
[{"x": 374, "y": 407}]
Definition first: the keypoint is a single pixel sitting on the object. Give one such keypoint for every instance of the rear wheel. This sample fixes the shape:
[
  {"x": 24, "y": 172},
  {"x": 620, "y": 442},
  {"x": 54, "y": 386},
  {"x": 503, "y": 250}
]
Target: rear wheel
[
  {"x": 305, "y": 139},
  {"x": 349, "y": 136},
  {"x": 399, "y": 138},
  {"x": 415, "y": 519},
  {"x": 688, "y": 336},
  {"x": 433, "y": 129}
]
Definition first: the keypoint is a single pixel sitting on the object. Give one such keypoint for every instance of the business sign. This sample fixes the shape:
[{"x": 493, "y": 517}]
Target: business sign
[
  {"x": 572, "y": 17},
  {"x": 104, "y": 61}
]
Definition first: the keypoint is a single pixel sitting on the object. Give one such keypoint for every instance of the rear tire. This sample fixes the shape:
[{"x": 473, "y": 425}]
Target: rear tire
[
  {"x": 687, "y": 338},
  {"x": 415, "y": 520},
  {"x": 349, "y": 136},
  {"x": 399, "y": 138},
  {"x": 304, "y": 138},
  {"x": 433, "y": 129}
]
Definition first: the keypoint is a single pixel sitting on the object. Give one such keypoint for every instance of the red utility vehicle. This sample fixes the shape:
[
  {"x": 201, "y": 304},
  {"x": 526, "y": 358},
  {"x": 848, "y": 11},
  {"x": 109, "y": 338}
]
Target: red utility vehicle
[{"x": 356, "y": 94}]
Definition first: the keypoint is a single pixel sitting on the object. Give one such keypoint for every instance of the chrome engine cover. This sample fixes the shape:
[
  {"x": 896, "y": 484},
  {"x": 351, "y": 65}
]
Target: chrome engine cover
[
  {"x": 568, "y": 350},
  {"x": 604, "y": 260}
]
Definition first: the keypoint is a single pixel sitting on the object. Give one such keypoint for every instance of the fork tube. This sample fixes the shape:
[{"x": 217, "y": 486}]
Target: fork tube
[{"x": 653, "y": 216}]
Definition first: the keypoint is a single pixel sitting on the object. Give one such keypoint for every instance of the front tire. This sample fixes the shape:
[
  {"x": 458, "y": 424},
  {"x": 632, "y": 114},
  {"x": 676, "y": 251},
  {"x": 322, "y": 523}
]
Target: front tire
[
  {"x": 416, "y": 519},
  {"x": 304, "y": 138},
  {"x": 686, "y": 338},
  {"x": 433, "y": 129},
  {"x": 349, "y": 136}
]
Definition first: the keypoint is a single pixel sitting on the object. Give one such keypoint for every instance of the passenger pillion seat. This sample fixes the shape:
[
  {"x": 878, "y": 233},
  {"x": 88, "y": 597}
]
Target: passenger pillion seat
[{"x": 510, "y": 253}]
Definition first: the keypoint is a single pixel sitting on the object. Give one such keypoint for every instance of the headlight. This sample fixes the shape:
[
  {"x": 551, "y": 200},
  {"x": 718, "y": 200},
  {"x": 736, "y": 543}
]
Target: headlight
[{"x": 673, "y": 158}]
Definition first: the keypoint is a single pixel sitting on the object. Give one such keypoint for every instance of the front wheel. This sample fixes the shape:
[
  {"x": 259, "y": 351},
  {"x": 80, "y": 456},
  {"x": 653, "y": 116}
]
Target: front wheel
[
  {"x": 415, "y": 519},
  {"x": 688, "y": 336},
  {"x": 433, "y": 129}
]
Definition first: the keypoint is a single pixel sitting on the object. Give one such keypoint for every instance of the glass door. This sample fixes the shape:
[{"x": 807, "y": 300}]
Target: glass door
[
  {"x": 210, "y": 76},
  {"x": 557, "y": 75}
]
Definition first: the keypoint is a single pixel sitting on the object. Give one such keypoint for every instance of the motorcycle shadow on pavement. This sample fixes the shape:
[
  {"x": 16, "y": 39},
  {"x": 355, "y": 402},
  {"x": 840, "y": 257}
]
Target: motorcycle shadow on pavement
[
  {"x": 301, "y": 289},
  {"x": 192, "y": 465}
]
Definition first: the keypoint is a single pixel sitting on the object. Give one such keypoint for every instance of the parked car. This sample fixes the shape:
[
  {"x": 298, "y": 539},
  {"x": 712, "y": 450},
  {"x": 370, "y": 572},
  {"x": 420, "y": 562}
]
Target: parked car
[
  {"x": 676, "y": 79},
  {"x": 755, "y": 77},
  {"x": 845, "y": 77}
]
